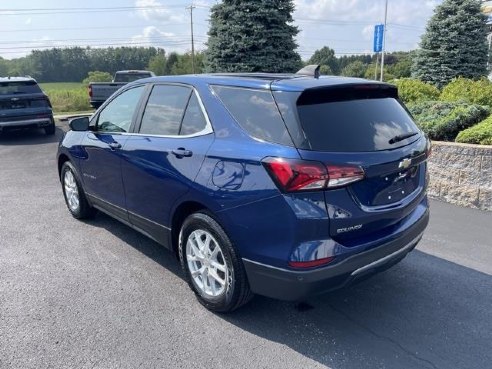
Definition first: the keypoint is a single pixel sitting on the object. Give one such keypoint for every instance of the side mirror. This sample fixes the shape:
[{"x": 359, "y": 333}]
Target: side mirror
[{"x": 79, "y": 124}]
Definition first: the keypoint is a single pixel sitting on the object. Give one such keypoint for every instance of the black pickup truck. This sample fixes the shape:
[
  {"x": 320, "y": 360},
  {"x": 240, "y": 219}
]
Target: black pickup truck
[
  {"x": 99, "y": 92},
  {"x": 24, "y": 105}
]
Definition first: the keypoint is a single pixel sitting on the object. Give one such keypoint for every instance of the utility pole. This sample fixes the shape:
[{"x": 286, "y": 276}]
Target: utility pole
[
  {"x": 384, "y": 39},
  {"x": 191, "y": 7}
]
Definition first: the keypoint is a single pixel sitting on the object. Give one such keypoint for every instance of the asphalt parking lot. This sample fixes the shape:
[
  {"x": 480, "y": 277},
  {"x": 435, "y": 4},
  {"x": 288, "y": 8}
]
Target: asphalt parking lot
[{"x": 97, "y": 294}]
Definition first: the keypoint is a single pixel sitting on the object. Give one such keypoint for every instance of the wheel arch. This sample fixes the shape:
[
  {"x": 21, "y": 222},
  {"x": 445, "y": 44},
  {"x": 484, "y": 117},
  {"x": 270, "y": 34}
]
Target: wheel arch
[
  {"x": 62, "y": 159},
  {"x": 181, "y": 212}
]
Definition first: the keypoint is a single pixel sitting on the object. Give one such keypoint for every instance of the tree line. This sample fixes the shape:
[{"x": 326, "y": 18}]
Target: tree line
[{"x": 74, "y": 64}]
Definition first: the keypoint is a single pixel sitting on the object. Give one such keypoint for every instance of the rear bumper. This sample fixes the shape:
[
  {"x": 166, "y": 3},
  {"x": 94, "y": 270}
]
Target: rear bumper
[
  {"x": 27, "y": 123},
  {"x": 293, "y": 285}
]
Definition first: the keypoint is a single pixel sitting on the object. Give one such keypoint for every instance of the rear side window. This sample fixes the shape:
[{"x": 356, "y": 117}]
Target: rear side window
[
  {"x": 193, "y": 120},
  {"x": 12, "y": 88},
  {"x": 356, "y": 125},
  {"x": 130, "y": 77},
  {"x": 165, "y": 110},
  {"x": 256, "y": 112}
]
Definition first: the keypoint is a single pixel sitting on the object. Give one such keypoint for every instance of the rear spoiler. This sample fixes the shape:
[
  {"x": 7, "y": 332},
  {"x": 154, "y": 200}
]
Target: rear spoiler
[{"x": 346, "y": 92}]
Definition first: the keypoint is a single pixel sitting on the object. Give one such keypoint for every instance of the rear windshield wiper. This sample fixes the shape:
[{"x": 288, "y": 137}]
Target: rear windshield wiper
[{"x": 402, "y": 137}]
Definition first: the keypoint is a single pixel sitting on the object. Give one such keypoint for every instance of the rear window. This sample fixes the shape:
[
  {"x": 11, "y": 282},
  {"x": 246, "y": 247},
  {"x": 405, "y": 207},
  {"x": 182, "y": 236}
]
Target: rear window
[
  {"x": 256, "y": 112},
  {"x": 130, "y": 77},
  {"x": 356, "y": 125},
  {"x": 13, "y": 88}
]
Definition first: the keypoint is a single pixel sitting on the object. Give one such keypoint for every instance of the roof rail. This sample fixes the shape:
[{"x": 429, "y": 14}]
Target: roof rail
[{"x": 310, "y": 70}]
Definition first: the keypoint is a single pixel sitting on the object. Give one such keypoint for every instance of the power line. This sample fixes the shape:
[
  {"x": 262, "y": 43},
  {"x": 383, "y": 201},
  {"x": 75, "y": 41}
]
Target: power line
[
  {"x": 43, "y": 11},
  {"x": 88, "y": 28}
]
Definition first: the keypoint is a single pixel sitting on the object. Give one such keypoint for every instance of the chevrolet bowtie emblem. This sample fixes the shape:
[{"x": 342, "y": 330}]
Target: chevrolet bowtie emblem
[{"x": 404, "y": 164}]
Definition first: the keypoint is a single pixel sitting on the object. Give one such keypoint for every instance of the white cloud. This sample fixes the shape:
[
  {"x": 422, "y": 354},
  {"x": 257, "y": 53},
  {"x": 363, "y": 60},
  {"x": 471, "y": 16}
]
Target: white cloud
[
  {"x": 153, "y": 36},
  {"x": 399, "y": 11},
  {"x": 153, "y": 10},
  {"x": 28, "y": 21},
  {"x": 348, "y": 25}
]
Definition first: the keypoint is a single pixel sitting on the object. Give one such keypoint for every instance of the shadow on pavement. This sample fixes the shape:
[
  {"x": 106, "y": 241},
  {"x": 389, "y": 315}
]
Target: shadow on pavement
[
  {"x": 425, "y": 312},
  {"x": 29, "y": 137}
]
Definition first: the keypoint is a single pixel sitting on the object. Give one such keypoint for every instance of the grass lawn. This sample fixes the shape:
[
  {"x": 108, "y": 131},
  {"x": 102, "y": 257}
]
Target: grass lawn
[
  {"x": 67, "y": 96},
  {"x": 56, "y": 86}
]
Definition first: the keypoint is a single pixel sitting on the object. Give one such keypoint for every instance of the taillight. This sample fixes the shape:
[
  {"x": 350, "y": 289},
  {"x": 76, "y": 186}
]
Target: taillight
[
  {"x": 292, "y": 175},
  {"x": 90, "y": 91},
  {"x": 343, "y": 175}
]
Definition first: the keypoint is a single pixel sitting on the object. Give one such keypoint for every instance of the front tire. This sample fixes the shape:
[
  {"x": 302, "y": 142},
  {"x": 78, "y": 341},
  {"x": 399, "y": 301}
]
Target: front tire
[
  {"x": 74, "y": 194},
  {"x": 211, "y": 265}
]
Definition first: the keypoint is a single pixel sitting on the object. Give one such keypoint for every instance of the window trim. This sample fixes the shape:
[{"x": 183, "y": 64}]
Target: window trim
[{"x": 208, "y": 127}]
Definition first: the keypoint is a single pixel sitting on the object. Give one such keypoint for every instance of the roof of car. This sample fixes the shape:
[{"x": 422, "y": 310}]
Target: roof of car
[
  {"x": 274, "y": 81},
  {"x": 16, "y": 79}
]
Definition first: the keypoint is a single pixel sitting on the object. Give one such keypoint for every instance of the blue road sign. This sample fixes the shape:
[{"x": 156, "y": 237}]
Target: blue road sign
[{"x": 378, "y": 38}]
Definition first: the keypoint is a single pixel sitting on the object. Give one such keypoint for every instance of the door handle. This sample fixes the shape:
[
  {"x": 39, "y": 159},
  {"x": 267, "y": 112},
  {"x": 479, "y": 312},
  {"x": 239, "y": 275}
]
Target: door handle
[
  {"x": 181, "y": 153},
  {"x": 114, "y": 145}
]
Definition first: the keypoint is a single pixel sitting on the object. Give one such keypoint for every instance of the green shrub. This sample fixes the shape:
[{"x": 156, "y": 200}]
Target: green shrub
[
  {"x": 97, "y": 76},
  {"x": 444, "y": 120},
  {"x": 69, "y": 100},
  {"x": 412, "y": 90},
  {"x": 478, "y": 134},
  {"x": 474, "y": 92}
]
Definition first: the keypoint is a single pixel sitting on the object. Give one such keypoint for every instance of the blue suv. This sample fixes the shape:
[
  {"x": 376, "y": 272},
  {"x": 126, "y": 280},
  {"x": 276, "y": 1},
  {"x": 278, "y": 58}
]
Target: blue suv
[
  {"x": 24, "y": 105},
  {"x": 282, "y": 185}
]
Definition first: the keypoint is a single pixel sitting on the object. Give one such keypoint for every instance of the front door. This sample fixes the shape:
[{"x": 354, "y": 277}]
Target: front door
[{"x": 101, "y": 163}]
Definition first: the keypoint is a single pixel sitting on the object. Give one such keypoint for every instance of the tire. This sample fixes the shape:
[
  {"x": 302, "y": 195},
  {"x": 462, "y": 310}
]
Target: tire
[
  {"x": 51, "y": 129},
  {"x": 73, "y": 193},
  {"x": 205, "y": 266}
]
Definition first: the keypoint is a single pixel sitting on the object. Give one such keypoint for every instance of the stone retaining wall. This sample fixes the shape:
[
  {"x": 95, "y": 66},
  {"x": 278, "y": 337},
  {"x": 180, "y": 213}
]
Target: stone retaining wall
[{"x": 461, "y": 174}]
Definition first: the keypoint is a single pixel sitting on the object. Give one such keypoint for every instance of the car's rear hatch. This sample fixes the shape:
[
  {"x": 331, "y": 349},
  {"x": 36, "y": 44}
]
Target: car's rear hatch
[
  {"x": 23, "y": 100},
  {"x": 360, "y": 126}
]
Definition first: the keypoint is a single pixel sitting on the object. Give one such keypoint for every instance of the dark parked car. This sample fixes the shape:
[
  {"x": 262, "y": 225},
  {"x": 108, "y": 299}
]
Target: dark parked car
[
  {"x": 276, "y": 184},
  {"x": 24, "y": 105}
]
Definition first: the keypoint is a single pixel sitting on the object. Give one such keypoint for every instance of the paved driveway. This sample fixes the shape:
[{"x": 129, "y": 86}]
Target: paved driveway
[{"x": 99, "y": 295}]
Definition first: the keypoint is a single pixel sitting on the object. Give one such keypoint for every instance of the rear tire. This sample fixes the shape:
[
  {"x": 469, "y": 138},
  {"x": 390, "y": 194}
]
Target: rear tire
[
  {"x": 50, "y": 130},
  {"x": 73, "y": 193},
  {"x": 212, "y": 267}
]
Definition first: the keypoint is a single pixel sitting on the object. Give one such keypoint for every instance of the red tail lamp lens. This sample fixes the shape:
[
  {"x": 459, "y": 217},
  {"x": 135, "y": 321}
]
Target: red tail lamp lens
[{"x": 303, "y": 175}]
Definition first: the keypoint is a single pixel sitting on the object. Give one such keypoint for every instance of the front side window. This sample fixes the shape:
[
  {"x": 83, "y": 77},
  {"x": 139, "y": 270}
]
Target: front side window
[
  {"x": 117, "y": 116},
  {"x": 256, "y": 112}
]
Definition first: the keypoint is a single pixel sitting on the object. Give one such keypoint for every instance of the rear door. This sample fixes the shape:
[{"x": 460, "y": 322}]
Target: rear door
[
  {"x": 367, "y": 127},
  {"x": 162, "y": 160}
]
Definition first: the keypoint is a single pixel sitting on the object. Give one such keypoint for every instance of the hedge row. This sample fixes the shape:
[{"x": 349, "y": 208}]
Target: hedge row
[
  {"x": 461, "y": 89},
  {"x": 444, "y": 120},
  {"x": 478, "y": 134},
  {"x": 455, "y": 113}
]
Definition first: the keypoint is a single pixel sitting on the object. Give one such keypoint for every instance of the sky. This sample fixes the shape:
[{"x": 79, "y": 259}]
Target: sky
[{"x": 347, "y": 26}]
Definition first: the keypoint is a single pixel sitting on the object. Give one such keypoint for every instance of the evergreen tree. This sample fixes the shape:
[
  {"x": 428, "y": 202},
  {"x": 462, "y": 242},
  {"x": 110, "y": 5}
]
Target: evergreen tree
[
  {"x": 252, "y": 36},
  {"x": 454, "y": 44}
]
